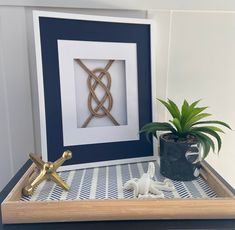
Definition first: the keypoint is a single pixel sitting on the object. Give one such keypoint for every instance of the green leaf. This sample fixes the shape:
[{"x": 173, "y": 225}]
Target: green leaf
[
  {"x": 206, "y": 143},
  {"x": 177, "y": 124},
  {"x": 175, "y": 108},
  {"x": 214, "y": 128},
  {"x": 147, "y": 135},
  {"x": 169, "y": 108},
  {"x": 152, "y": 128},
  {"x": 213, "y": 122},
  {"x": 191, "y": 115},
  {"x": 195, "y": 103},
  {"x": 211, "y": 132},
  {"x": 184, "y": 109},
  {"x": 207, "y": 138},
  {"x": 194, "y": 119},
  {"x": 200, "y": 116},
  {"x": 157, "y": 126},
  {"x": 195, "y": 111}
]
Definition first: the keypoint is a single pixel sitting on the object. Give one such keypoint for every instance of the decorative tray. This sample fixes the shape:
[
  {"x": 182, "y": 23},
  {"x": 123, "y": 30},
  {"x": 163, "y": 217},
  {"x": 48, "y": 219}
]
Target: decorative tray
[{"x": 97, "y": 194}]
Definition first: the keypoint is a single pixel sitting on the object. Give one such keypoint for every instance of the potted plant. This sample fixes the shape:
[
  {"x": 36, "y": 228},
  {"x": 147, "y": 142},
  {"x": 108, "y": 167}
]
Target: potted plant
[{"x": 188, "y": 140}]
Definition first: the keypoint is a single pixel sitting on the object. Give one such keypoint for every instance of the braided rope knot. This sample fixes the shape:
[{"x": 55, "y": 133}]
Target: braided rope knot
[
  {"x": 102, "y": 111},
  {"x": 95, "y": 79}
]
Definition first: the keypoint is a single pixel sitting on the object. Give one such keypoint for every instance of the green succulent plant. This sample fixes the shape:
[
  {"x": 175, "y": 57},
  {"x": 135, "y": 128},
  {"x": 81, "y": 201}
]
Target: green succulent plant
[{"x": 187, "y": 123}]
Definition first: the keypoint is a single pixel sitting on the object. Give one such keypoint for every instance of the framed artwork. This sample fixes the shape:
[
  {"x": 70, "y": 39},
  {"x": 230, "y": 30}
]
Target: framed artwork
[{"x": 95, "y": 85}]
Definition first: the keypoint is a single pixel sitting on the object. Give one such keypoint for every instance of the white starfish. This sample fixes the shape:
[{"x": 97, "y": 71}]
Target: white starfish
[{"x": 146, "y": 187}]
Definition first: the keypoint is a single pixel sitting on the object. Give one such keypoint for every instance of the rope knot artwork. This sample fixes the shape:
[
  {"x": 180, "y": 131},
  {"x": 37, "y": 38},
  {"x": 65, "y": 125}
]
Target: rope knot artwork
[{"x": 99, "y": 107}]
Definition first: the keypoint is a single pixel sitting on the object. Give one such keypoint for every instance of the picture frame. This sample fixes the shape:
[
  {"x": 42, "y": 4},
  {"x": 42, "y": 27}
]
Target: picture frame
[{"x": 73, "y": 50}]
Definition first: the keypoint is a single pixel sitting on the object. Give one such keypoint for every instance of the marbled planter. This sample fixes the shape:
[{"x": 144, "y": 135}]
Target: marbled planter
[{"x": 179, "y": 160}]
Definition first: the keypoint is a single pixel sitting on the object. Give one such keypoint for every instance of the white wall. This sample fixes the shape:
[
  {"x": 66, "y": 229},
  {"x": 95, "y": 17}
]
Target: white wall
[
  {"x": 128, "y": 4},
  {"x": 16, "y": 127},
  {"x": 195, "y": 53}
]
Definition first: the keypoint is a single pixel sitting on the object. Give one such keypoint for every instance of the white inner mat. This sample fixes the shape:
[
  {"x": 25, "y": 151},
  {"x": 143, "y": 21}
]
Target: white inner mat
[{"x": 72, "y": 85}]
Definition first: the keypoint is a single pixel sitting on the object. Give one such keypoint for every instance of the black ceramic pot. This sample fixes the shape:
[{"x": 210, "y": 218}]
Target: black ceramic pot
[{"x": 179, "y": 161}]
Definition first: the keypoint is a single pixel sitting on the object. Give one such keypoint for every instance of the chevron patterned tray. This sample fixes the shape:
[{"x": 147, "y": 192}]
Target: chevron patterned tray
[
  {"x": 97, "y": 194},
  {"x": 107, "y": 183}
]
